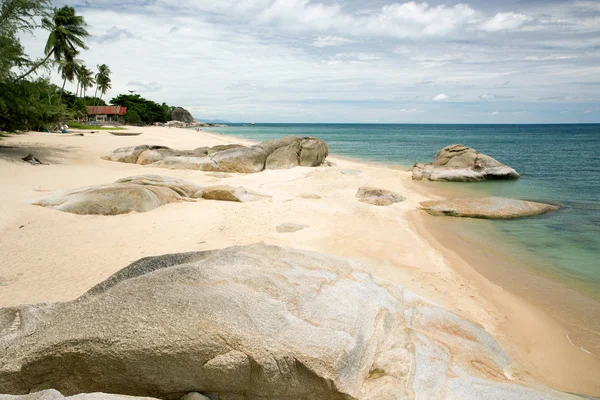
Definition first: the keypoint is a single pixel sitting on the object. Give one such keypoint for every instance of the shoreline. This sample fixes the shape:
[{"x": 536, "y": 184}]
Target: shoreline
[{"x": 397, "y": 247}]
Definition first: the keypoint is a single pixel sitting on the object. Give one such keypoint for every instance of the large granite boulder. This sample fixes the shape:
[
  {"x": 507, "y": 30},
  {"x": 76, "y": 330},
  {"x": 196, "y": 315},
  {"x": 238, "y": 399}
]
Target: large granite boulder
[
  {"x": 486, "y": 207},
  {"x": 287, "y": 152},
  {"x": 253, "y": 322},
  {"x": 378, "y": 197},
  {"x": 462, "y": 164},
  {"x": 51, "y": 394},
  {"x": 293, "y": 151},
  {"x": 140, "y": 194},
  {"x": 182, "y": 115}
]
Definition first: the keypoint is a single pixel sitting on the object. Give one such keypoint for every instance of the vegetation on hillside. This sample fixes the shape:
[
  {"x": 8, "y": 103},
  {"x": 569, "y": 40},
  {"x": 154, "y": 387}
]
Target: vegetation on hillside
[{"x": 148, "y": 111}]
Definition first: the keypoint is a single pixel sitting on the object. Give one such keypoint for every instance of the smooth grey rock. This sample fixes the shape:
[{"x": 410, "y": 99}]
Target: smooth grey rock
[
  {"x": 194, "y": 396},
  {"x": 462, "y": 164},
  {"x": 307, "y": 152},
  {"x": 486, "y": 207},
  {"x": 230, "y": 193},
  {"x": 288, "y": 227},
  {"x": 139, "y": 193},
  {"x": 126, "y": 154},
  {"x": 149, "y": 157},
  {"x": 253, "y": 322},
  {"x": 51, "y": 394},
  {"x": 287, "y": 152},
  {"x": 378, "y": 197},
  {"x": 181, "y": 114}
]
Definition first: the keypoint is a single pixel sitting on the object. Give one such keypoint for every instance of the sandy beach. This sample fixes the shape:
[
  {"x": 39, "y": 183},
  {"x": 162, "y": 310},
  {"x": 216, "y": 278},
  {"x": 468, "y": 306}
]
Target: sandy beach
[{"x": 54, "y": 256}]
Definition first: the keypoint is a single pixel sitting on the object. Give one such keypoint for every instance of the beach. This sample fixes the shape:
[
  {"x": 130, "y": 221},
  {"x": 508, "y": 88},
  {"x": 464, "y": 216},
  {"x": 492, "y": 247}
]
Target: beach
[{"x": 54, "y": 256}]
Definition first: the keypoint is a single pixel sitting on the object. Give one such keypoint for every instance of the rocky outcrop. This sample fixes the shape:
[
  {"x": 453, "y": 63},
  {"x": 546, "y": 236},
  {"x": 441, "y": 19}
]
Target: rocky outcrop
[
  {"x": 182, "y": 115},
  {"x": 52, "y": 394},
  {"x": 287, "y": 152},
  {"x": 378, "y": 197},
  {"x": 140, "y": 194},
  {"x": 253, "y": 322},
  {"x": 460, "y": 163},
  {"x": 487, "y": 207}
]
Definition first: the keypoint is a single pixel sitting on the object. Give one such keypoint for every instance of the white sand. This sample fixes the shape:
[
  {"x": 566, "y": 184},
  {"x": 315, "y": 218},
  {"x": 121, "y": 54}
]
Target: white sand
[{"x": 49, "y": 255}]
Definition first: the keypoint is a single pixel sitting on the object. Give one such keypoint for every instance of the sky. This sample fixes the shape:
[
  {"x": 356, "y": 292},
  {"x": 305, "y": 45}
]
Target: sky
[{"x": 502, "y": 61}]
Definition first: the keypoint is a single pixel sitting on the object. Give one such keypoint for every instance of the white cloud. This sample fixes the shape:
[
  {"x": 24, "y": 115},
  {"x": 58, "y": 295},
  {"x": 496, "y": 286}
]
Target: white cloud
[
  {"x": 505, "y": 21},
  {"x": 441, "y": 97},
  {"x": 409, "y": 110},
  {"x": 495, "y": 112},
  {"x": 329, "y": 41}
]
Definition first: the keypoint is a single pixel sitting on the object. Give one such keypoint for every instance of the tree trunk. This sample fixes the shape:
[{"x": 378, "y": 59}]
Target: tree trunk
[
  {"x": 95, "y": 99},
  {"x": 62, "y": 91},
  {"x": 35, "y": 66}
]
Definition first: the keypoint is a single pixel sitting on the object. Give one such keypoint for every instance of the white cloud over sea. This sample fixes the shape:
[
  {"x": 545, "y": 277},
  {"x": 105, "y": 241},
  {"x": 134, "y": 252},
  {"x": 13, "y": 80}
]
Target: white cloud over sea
[{"x": 352, "y": 61}]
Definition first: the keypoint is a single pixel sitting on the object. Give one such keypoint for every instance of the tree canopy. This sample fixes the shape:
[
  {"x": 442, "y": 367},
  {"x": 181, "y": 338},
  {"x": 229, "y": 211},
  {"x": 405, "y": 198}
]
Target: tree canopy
[{"x": 148, "y": 110}]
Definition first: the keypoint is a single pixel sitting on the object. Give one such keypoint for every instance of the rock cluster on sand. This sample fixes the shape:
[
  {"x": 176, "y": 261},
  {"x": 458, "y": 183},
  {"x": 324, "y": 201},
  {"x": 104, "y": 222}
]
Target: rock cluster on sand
[
  {"x": 253, "y": 322},
  {"x": 487, "y": 207},
  {"x": 138, "y": 193},
  {"x": 378, "y": 197},
  {"x": 462, "y": 164},
  {"x": 287, "y": 152}
]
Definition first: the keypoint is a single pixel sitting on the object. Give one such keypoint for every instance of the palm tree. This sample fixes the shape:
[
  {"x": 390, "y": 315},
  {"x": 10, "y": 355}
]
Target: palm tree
[
  {"x": 103, "y": 81},
  {"x": 68, "y": 70},
  {"x": 67, "y": 31},
  {"x": 85, "y": 76}
]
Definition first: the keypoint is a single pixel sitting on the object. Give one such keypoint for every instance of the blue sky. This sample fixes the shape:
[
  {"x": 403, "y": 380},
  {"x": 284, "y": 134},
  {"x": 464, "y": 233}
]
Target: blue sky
[{"x": 504, "y": 61}]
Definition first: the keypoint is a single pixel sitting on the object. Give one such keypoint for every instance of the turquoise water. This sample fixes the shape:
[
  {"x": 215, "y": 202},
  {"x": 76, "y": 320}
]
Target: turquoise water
[{"x": 557, "y": 163}]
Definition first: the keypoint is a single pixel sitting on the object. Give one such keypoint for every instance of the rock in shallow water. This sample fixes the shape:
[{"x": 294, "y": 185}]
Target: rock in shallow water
[
  {"x": 250, "y": 322},
  {"x": 487, "y": 207},
  {"x": 462, "y": 164}
]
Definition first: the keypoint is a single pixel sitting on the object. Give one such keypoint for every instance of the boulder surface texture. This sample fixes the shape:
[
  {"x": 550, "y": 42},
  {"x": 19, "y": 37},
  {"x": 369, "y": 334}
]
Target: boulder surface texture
[
  {"x": 140, "y": 194},
  {"x": 462, "y": 164},
  {"x": 487, "y": 207},
  {"x": 181, "y": 114},
  {"x": 252, "y": 322},
  {"x": 378, "y": 197},
  {"x": 284, "y": 153}
]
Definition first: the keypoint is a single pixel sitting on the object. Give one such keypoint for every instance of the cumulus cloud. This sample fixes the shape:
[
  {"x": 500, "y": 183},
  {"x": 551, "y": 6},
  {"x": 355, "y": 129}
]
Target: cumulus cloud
[
  {"x": 329, "y": 41},
  {"x": 146, "y": 86},
  {"x": 505, "y": 21},
  {"x": 441, "y": 97},
  {"x": 113, "y": 34},
  {"x": 332, "y": 60}
]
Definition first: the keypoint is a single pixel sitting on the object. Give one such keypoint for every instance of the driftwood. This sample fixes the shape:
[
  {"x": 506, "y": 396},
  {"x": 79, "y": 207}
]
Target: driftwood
[{"x": 33, "y": 160}]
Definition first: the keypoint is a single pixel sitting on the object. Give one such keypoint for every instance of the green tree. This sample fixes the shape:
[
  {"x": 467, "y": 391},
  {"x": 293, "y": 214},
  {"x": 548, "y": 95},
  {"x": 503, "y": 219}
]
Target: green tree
[
  {"x": 86, "y": 80},
  {"x": 148, "y": 110},
  {"x": 67, "y": 31},
  {"x": 132, "y": 117},
  {"x": 17, "y": 16},
  {"x": 68, "y": 71},
  {"x": 103, "y": 82}
]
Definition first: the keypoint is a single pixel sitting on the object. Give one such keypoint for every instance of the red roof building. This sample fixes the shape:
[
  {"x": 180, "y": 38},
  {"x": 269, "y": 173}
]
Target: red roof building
[{"x": 106, "y": 113}]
